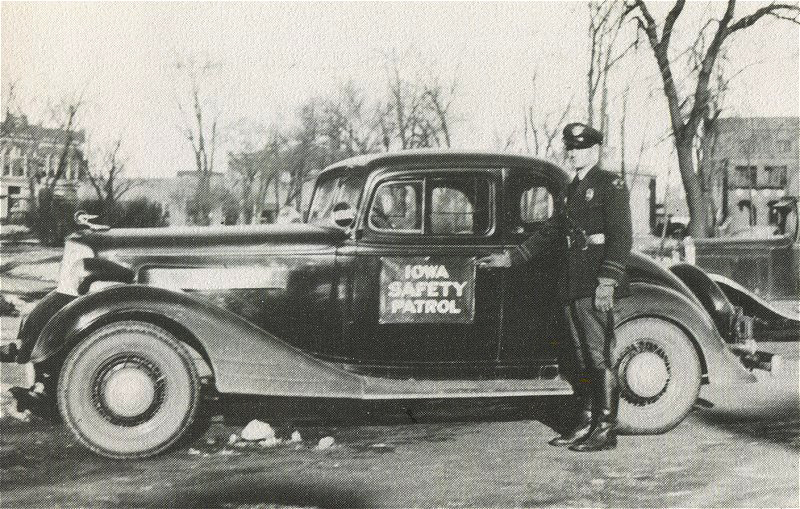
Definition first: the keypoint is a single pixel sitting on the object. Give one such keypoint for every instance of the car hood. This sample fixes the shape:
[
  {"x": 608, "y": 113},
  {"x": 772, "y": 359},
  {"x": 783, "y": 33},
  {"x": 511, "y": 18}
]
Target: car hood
[{"x": 194, "y": 237}]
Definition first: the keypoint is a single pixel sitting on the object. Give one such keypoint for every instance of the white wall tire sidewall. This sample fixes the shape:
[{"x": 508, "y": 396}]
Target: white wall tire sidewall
[
  {"x": 175, "y": 414},
  {"x": 685, "y": 376}
]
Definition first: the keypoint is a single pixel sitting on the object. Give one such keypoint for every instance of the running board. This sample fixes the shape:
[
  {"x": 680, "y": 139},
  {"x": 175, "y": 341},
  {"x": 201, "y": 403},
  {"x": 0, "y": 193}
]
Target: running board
[{"x": 382, "y": 388}]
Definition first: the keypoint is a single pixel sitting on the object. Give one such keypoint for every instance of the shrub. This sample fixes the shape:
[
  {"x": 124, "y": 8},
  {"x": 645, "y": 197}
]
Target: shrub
[
  {"x": 52, "y": 218},
  {"x": 136, "y": 213}
]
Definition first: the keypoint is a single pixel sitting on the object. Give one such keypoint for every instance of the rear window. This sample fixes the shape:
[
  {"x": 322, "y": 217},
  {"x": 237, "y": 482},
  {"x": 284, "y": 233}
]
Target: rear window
[
  {"x": 460, "y": 206},
  {"x": 535, "y": 205}
]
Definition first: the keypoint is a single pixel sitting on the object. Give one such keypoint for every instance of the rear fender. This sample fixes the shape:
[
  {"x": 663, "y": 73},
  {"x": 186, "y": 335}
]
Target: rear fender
[
  {"x": 710, "y": 295},
  {"x": 720, "y": 366},
  {"x": 243, "y": 358}
]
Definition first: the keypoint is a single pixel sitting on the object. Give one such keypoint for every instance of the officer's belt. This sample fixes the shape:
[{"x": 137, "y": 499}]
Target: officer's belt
[{"x": 596, "y": 239}]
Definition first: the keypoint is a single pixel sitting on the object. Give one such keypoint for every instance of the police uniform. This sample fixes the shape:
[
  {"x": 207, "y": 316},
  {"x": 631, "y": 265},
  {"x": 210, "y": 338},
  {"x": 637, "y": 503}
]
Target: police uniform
[{"x": 592, "y": 231}]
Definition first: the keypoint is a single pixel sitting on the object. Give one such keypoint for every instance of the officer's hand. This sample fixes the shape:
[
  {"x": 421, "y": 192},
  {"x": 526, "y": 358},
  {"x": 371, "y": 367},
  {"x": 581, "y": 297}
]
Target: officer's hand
[
  {"x": 604, "y": 297},
  {"x": 494, "y": 260}
]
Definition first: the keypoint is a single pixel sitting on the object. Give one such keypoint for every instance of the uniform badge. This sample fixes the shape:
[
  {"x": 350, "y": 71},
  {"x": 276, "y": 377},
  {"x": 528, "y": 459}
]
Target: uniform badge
[
  {"x": 619, "y": 183},
  {"x": 589, "y": 194}
]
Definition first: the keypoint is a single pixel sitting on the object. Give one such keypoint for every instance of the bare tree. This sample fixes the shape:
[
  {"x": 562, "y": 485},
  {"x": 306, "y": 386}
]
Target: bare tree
[
  {"x": 275, "y": 165},
  {"x": 418, "y": 109},
  {"x": 350, "y": 122},
  {"x": 108, "y": 181},
  {"x": 540, "y": 128},
  {"x": 687, "y": 112},
  {"x": 440, "y": 98},
  {"x": 401, "y": 117},
  {"x": 200, "y": 115},
  {"x": 255, "y": 164},
  {"x": 606, "y": 19}
]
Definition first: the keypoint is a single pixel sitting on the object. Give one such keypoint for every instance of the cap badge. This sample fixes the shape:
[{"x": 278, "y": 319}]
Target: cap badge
[{"x": 589, "y": 194}]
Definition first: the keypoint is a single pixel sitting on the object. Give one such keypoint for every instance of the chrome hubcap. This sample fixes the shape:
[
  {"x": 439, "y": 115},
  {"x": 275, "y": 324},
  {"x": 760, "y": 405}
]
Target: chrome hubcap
[
  {"x": 644, "y": 373},
  {"x": 128, "y": 390},
  {"x": 647, "y": 374}
]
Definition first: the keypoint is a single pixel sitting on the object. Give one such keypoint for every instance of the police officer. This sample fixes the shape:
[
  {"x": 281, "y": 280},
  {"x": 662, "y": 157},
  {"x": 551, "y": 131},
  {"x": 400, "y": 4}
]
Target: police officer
[{"x": 592, "y": 227}]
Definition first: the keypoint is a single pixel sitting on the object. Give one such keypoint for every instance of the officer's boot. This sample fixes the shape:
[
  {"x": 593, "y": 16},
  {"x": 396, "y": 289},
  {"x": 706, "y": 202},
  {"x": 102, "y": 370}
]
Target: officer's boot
[
  {"x": 604, "y": 434},
  {"x": 582, "y": 426}
]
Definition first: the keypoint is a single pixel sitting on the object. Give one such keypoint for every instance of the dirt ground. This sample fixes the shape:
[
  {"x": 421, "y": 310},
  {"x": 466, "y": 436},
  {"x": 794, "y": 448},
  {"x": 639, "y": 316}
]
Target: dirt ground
[{"x": 742, "y": 452}]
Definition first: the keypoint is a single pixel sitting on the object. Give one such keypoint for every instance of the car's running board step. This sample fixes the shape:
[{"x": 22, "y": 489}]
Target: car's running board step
[{"x": 381, "y": 388}]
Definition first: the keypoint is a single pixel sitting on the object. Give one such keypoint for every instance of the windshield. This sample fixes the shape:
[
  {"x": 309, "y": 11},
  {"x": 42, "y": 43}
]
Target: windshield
[{"x": 330, "y": 191}]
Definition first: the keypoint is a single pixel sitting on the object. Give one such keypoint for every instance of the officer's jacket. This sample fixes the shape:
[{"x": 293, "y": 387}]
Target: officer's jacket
[{"x": 591, "y": 230}]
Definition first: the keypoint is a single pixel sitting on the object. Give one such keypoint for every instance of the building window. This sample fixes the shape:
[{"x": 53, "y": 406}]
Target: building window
[
  {"x": 748, "y": 205},
  {"x": 13, "y": 196},
  {"x": 784, "y": 146},
  {"x": 775, "y": 176},
  {"x": 17, "y": 169},
  {"x": 745, "y": 176}
]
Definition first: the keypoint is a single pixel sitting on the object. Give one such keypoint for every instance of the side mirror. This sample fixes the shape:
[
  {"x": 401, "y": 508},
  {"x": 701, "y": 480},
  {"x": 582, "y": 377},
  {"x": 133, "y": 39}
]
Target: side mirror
[{"x": 343, "y": 214}]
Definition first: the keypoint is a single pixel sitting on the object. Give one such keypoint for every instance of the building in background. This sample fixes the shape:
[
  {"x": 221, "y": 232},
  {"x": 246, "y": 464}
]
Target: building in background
[
  {"x": 31, "y": 152},
  {"x": 755, "y": 171}
]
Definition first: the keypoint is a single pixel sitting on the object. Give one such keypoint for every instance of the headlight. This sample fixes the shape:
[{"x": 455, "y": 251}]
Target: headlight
[{"x": 72, "y": 271}]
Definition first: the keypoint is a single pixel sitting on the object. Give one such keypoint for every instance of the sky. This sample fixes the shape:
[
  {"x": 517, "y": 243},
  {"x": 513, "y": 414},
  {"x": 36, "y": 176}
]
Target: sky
[{"x": 273, "y": 55}]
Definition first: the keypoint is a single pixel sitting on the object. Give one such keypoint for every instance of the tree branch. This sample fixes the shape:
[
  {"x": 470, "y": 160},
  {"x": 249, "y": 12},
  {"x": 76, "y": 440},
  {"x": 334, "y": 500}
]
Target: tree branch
[
  {"x": 669, "y": 22},
  {"x": 772, "y": 10}
]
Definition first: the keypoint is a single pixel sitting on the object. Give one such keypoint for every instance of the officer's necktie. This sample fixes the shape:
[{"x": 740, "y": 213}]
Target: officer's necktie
[{"x": 573, "y": 186}]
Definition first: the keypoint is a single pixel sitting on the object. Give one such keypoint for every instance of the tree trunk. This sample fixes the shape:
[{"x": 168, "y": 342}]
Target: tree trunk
[{"x": 691, "y": 184}]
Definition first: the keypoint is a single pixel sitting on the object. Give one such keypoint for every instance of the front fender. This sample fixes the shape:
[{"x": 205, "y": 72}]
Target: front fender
[
  {"x": 244, "y": 358},
  {"x": 649, "y": 300}
]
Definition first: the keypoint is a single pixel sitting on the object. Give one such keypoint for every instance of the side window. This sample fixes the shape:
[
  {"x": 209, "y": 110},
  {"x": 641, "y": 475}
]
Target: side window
[
  {"x": 397, "y": 207},
  {"x": 535, "y": 205},
  {"x": 460, "y": 206}
]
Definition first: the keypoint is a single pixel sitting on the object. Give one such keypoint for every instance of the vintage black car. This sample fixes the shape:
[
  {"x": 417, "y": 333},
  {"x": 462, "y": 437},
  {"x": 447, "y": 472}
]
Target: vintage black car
[{"x": 375, "y": 297}]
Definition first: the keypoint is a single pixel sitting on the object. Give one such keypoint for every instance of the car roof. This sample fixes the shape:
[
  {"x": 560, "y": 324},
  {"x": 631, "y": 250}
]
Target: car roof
[{"x": 369, "y": 162}]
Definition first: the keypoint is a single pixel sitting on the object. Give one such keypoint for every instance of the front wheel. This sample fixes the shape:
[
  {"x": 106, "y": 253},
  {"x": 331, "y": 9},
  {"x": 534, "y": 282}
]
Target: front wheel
[
  {"x": 129, "y": 390},
  {"x": 659, "y": 375}
]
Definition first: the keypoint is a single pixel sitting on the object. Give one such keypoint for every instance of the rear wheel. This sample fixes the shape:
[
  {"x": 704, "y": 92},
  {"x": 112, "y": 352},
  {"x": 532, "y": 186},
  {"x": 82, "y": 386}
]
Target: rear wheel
[
  {"x": 129, "y": 390},
  {"x": 659, "y": 375}
]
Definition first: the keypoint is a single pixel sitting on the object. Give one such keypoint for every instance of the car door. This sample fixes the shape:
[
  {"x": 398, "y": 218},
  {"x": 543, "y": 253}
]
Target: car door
[
  {"x": 532, "y": 315},
  {"x": 417, "y": 305}
]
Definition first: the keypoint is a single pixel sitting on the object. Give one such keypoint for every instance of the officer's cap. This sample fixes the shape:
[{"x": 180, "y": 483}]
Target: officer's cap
[{"x": 577, "y": 135}]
